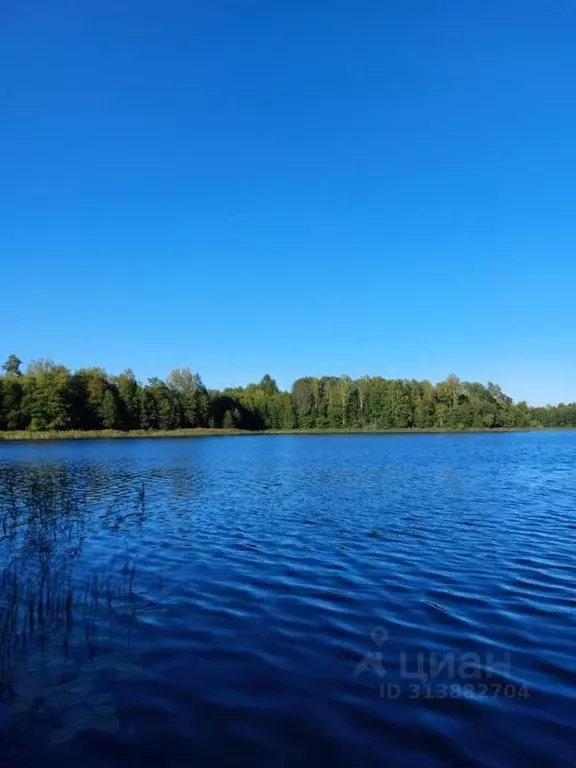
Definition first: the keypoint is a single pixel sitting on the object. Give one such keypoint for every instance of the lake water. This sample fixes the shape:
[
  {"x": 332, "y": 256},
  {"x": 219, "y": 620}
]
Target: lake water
[{"x": 289, "y": 600}]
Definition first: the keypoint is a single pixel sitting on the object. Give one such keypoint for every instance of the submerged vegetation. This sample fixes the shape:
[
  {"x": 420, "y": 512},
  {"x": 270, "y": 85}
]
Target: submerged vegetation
[
  {"x": 54, "y": 610},
  {"x": 48, "y": 399}
]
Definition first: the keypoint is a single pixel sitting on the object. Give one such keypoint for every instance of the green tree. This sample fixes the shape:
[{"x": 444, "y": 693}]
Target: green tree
[
  {"x": 109, "y": 410},
  {"x": 129, "y": 400},
  {"x": 424, "y": 405},
  {"x": 148, "y": 412},
  {"x": 167, "y": 407},
  {"x": 48, "y": 396},
  {"x": 303, "y": 399},
  {"x": 89, "y": 386},
  {"x": 46, "y": 389},
  {"x": 11, "y": 404},
  {"x": 268, "y": 385},
  {"x": 12, "y": 366},
  {"x": 401, "y": 405},
  {"x": 522, "y": 415},
  {"x": 192, "y": 396}
]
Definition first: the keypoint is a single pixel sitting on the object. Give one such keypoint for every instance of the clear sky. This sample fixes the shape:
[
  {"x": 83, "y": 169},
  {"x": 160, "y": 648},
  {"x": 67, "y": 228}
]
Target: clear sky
[{"x": 299, "y": 187}]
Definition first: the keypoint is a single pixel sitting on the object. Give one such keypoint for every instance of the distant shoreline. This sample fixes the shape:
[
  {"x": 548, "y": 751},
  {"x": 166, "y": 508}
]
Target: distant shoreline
[{"x": 113, "y": 434}]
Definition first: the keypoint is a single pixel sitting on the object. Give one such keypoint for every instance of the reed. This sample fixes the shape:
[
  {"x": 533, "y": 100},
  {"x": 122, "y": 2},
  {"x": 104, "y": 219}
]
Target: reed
[
  {"x": 107, "y": 434},
  {"x": 49, "y": 600}
]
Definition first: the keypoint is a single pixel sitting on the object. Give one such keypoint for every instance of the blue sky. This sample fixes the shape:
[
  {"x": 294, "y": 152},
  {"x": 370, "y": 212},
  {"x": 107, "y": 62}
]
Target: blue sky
[{"x": 300, "y": 188}]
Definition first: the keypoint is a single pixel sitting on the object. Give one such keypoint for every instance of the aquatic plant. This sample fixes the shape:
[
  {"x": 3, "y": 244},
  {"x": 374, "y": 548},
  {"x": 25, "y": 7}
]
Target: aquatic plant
[{"x": 53, "y": 608}]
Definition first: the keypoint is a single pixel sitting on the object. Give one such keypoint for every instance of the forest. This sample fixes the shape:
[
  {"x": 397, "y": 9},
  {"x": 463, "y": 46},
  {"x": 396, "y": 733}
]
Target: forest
[{"x": 49, "y": 397}]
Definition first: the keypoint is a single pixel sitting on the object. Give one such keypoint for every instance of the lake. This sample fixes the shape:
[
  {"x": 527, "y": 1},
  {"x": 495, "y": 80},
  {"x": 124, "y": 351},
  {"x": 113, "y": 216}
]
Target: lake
[{"x": 402, "y": 600}]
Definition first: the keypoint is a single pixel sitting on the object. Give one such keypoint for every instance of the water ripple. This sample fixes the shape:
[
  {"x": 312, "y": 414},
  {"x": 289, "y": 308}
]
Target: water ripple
[{"x": 400, "y": 600}]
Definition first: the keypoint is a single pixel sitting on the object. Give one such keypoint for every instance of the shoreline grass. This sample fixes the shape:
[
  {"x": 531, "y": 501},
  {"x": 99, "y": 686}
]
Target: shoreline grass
[{"x": 109, "y": 434}]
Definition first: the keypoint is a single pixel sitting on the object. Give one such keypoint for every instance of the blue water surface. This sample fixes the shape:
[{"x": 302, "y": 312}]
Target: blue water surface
[{"x": 403, "y": 600}]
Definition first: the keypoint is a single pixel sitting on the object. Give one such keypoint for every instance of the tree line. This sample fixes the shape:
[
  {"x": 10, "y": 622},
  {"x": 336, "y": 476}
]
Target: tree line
[{"x": 47, "y": 397}]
